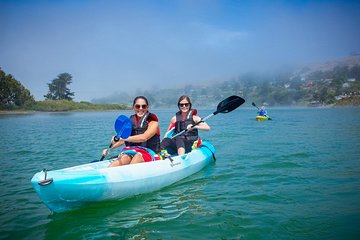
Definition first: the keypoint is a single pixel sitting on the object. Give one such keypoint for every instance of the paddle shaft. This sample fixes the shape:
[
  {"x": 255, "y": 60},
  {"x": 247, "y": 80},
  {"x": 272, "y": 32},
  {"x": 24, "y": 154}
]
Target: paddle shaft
[
  {"x": 255, "y": 106},
  {"x": 186, "y": 130},
  {"x": 116, "y": 138},
  {"x": 225, "y": 106},
  {"x": 122, "y": 127}
]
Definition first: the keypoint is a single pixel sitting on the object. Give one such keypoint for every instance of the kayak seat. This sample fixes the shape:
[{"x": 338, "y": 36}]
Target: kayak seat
[
  {"x": 148, "y": 154},
  {"x": 165, "y": 154}
]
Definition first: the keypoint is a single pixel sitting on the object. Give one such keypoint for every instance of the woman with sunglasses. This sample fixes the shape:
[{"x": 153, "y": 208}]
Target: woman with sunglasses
[
  {"x": 144, "y": 140},
  {"x": 184, "y": 119}
]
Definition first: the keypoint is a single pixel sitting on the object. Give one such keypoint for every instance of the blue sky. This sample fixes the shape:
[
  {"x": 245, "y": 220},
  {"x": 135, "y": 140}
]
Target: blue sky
[{"x": 114, "y": 46}]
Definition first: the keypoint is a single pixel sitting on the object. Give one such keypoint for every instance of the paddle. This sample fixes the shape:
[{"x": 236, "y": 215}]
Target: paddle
[
  {"x": 225, "y": 106},
  {"x": 255, "y": 105},
  {"x": 122, "y": 128},
  {"x": 269, "y": 118}
]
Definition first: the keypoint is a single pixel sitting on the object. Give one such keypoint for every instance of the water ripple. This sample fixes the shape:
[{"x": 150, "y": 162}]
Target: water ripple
[{"x": 296, "y": 177}]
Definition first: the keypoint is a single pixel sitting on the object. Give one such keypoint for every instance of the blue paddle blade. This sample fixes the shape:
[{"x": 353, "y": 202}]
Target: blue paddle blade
[{"x": 123, "y": 126}]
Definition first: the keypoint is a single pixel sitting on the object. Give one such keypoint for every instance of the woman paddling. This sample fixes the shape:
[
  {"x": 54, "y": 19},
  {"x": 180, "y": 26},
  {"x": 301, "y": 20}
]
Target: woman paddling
[
  {"x": 262, "y": 111},
  {"x": 184, "y": 119},
  {"x": 144, "y": 141}
]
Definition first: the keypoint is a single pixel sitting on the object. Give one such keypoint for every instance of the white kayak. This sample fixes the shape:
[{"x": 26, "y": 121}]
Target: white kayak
[{"x": 71, "y": 188}]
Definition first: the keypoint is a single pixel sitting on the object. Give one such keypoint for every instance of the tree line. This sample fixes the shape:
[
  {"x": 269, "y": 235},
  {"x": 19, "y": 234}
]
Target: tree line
[{"x": 14, "y": 96}]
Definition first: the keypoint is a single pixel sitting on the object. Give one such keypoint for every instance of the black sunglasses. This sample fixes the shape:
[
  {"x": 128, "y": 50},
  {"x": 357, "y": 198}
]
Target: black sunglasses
[
  {"x": 138, "y": 106},
  {"x": 184, "y": 104}
]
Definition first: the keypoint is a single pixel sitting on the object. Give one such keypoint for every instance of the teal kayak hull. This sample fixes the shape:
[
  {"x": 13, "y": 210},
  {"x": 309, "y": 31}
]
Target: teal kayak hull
[{"x": 73, "y": 187}]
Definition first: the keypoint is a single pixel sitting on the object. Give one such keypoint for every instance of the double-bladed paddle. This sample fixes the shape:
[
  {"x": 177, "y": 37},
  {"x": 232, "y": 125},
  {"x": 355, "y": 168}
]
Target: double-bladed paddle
[
  {"x": 122, "y": 128},
  {"x": 225, "y": 106},
  {"x": 255, "y": 105}
]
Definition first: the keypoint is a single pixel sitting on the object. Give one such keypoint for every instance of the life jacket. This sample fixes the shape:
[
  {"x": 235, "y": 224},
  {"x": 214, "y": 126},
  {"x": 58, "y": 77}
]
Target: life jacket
[
  {"x": 181, "y": 125},
  {"x": 139, "y": 127},
  {"x": 262, "y": 112}
]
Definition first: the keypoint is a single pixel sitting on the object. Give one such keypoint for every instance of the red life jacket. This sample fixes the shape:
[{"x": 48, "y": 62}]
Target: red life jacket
[{"x": 139, "y": 127}]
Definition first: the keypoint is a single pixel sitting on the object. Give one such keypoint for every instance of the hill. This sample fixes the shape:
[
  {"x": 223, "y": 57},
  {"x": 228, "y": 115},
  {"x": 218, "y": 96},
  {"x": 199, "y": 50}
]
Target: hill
[
  {"x": 348, "y": 61},
  {"x": 313, "y": 85}
]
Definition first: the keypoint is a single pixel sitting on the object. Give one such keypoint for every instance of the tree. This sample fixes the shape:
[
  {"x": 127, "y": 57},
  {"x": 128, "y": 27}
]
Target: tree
[
  {"x": 12, "y": 93},
  {"x": 58, "y": 89}
]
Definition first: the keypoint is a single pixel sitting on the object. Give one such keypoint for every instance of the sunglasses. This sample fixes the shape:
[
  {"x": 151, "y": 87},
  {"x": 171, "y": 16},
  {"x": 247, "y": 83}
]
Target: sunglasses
[
  {"x": 138, "y": 106},
  {"x": 184, "y": 104}
]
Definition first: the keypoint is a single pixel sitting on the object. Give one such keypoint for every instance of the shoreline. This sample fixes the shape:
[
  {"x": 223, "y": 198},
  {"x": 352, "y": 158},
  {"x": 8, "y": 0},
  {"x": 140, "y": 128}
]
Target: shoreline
[
  {"x": 24, "y": 112},
  {"x": 15, "y": 112}
]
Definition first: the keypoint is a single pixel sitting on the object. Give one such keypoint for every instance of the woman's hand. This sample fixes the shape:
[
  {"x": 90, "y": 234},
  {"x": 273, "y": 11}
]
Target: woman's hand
[
  {"x": 104, "y": 152},
  {"x": 202, "y": 125},
  {"x": 117, "y": 142},
  {"x": 116, "y": 139}
]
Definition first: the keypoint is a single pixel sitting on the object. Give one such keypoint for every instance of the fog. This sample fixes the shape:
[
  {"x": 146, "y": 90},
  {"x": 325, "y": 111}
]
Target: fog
[{"x": 114, "y": 46}]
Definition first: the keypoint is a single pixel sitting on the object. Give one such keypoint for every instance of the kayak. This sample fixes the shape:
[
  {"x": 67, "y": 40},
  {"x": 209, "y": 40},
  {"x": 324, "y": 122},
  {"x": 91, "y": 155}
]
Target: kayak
[
  {"x": 74, "y": 187},
  {"x": 262, "y": 118}
]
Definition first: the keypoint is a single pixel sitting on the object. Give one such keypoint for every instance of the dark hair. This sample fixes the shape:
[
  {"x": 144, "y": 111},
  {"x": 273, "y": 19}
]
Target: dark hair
[
  {"x": 184, "y": 97},
  {"x": 141, "y": 97}
]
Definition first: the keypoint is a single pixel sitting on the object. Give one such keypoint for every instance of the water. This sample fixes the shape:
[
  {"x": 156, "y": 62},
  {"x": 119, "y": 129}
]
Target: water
[{"x": 295, "y": 177}]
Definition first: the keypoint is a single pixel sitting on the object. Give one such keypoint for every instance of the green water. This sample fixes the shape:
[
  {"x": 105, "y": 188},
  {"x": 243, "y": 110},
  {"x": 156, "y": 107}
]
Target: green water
[{"x": 295, "y": 177}]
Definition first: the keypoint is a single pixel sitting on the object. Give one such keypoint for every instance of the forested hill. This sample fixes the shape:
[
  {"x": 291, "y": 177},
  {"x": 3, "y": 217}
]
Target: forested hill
[
  {"x": 329, "y": 83},
  {"x": 333, "y": 82}
]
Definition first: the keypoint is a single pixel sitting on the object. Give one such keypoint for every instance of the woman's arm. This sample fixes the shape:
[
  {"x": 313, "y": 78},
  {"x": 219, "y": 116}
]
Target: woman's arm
[
  {"x": 172, "y": 121},
  {"x": 200, "y": 126},
  {"x": 116, "y": 144},
  {"x": 149, "y": 133}
]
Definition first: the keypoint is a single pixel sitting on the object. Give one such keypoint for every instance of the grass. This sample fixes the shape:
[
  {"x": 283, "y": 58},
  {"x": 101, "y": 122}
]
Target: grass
[{"x": 65, "y": 106}]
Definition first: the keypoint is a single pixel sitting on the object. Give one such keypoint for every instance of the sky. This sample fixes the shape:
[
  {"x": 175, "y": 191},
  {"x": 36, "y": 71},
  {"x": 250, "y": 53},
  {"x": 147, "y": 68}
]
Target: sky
[{"x": 114, "y": 46}]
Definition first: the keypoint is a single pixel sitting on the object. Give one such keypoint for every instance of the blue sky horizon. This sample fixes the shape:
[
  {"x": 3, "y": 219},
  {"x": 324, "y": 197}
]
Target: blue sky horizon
[{"x": 114, "y": 46}]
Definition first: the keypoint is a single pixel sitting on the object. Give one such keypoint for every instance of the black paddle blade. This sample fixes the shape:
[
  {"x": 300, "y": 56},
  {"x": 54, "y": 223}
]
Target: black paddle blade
[
  {"x": 229, "y": 104},
  {"x": 255, "y": 105}
]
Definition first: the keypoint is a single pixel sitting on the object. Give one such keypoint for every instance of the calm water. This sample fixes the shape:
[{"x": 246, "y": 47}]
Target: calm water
[{"x": 296, "y": 177}]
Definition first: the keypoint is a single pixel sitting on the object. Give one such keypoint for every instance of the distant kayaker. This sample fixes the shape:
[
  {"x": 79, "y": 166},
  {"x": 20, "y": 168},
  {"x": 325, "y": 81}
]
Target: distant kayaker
[
  {"x": 262, "y": 111},
  {"x": 184, "y": 119},
  {"x": 144, "y": 140}
]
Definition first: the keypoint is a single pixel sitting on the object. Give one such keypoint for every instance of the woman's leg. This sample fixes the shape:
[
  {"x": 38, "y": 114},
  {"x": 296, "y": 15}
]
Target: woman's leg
[
  {"x": 184, "y": 146},
  {"x": 169, "y": 145},
  {"x": 180, "y": 144},
  {"x": 123, "y": 159},
  {"x": 188, "y": 145},
  {"x": 138, "y": 158}
]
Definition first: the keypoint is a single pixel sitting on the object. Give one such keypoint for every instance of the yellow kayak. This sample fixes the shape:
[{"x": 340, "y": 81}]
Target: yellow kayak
[{"x": 262, "y": 118}]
